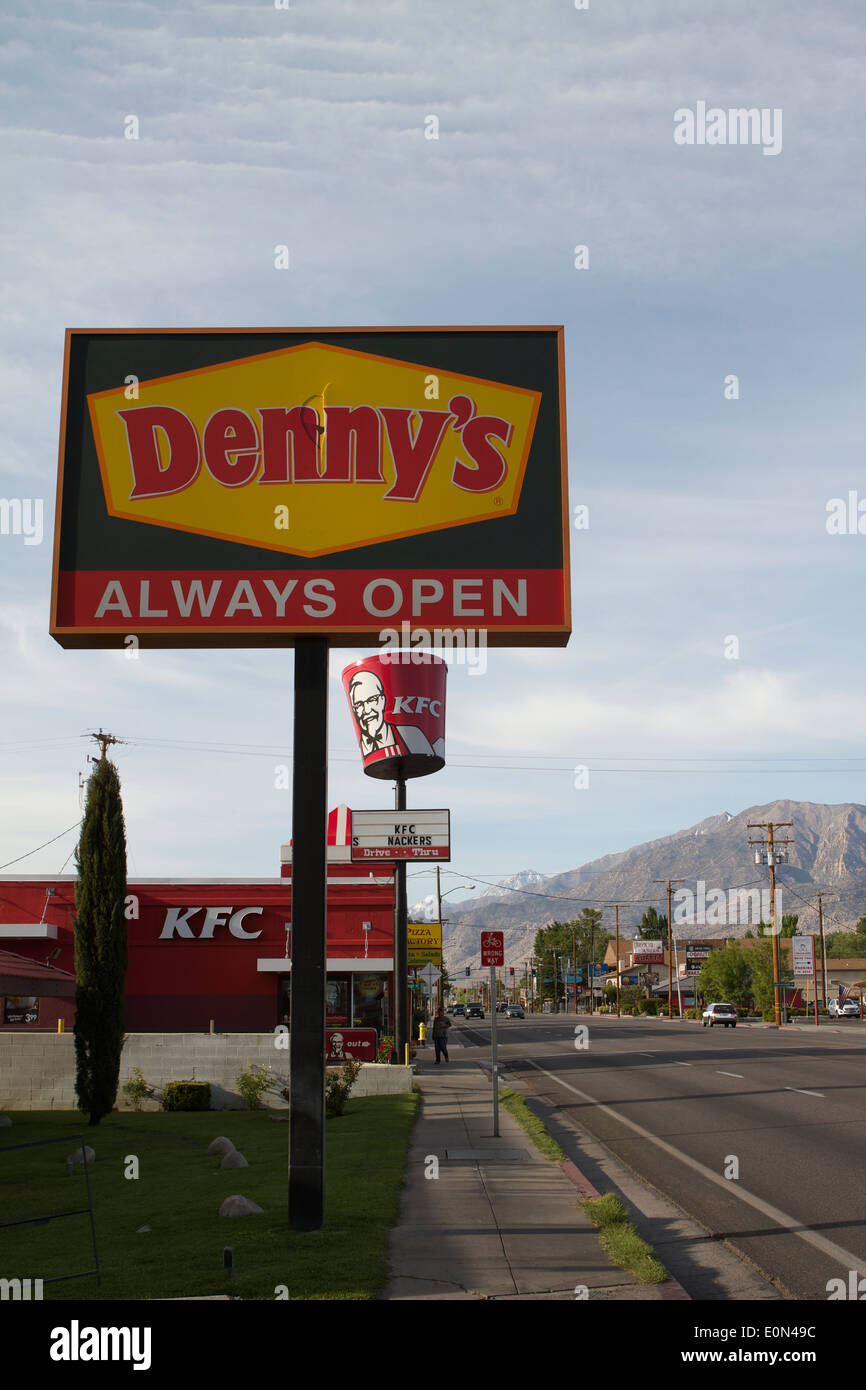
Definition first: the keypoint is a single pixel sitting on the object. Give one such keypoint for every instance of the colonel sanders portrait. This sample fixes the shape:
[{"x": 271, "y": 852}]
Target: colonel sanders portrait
[{"x": 367, "y": 696}]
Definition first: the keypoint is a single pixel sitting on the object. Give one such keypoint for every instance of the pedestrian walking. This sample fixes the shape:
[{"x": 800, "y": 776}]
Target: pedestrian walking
[{"x": 441, "y": 1024}]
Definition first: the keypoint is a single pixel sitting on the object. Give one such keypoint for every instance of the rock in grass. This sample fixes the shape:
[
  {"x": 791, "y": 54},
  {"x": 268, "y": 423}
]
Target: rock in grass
[
  {"x": 240, "y": 1206},
  {"x": 143, "y": 1231},
  {"x": 4, "y": 1121},
  {"x": 221, "y": 1146},
  {"x": 234, "y": 1160},
  {"x": 78, "y": 1157}
]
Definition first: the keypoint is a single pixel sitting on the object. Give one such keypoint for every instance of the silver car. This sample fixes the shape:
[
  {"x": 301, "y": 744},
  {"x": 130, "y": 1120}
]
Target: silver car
[{"x": 720, "y": 1013}]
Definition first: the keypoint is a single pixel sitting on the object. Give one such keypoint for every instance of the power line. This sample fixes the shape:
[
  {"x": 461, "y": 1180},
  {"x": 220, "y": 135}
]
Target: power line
[{"x": 39, "y": 847}]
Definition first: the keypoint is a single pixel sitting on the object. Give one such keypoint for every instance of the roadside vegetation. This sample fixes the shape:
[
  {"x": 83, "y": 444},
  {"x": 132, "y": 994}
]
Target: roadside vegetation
[{"x": 177, "y": 1194}]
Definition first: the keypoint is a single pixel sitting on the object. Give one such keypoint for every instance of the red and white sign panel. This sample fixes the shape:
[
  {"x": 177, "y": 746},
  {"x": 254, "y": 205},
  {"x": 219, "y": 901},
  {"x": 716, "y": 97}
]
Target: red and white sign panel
[
  {"x": 393, "y": 835},
  {"x": 492, "y": 948},
  {"x": 358, "y": 1043},
  {"x": 399, "y": 713},
  {"x": 648, "y": 952},
  {"x": 803, "y": 948}
]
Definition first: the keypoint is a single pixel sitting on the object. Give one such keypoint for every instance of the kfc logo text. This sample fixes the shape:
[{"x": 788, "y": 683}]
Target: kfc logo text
[{"x": 177, "y": 923}]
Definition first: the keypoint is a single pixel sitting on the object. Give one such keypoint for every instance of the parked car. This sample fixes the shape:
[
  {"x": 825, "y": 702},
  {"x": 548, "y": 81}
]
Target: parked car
[
  {"x": 847, "y": 1010},
  {"x": 474, "y": 1010},
  {"x": 459, "y": 1009},
  {"x": 720, "y": 1013},
  {"x": 514, "y": 1011}
]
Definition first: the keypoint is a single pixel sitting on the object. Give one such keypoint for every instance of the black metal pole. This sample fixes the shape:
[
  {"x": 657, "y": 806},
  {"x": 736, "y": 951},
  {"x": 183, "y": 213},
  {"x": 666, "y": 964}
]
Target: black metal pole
[
  {"x": 401, "y": 944},
  {"x": 309, "y": 937}
]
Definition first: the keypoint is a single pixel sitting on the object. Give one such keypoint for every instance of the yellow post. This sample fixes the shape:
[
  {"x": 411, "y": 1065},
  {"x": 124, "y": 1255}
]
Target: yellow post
[{"x": 61, "y": 1025}]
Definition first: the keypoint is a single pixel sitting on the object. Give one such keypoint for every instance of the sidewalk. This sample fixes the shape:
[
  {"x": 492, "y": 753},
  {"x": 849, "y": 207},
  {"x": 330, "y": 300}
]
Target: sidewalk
[{"x": 499, "y": 1221}]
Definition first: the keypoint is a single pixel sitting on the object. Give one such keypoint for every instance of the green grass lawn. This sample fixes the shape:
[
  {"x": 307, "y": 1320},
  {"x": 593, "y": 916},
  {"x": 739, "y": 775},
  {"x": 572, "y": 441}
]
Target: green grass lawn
[{"x": 178, "y": 1194}]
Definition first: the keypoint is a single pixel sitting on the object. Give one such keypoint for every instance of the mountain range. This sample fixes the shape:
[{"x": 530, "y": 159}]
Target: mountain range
[{"x": 827, "y": 853}]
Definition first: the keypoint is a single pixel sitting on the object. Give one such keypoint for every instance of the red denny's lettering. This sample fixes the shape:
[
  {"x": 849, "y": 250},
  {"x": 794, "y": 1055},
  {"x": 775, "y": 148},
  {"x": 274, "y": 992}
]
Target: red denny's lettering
[{"x": 289, "y": 445}]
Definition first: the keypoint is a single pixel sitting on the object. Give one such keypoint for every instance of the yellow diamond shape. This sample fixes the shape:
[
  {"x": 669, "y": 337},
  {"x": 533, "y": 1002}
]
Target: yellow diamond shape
[{"x": 313, "y": 449}]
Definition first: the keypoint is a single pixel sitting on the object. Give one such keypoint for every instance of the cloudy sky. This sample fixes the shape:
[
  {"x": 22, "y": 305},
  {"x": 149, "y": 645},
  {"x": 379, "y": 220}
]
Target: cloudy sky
[{"x": 304, "y": 125}]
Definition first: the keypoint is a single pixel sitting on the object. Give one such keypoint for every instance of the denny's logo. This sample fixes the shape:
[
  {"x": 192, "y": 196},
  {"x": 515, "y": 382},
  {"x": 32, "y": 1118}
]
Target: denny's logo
[{"x": 313, "y": 449}]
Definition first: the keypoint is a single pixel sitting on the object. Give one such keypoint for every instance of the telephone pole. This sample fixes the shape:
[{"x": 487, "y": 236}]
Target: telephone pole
[
  {"x": 104, "y": 741},
  {"x": 823, "y": 950},
  {"x": 669, "y": 881},
  {"x": 615, "y": 906},
  {"x": 766, "y": 852}
]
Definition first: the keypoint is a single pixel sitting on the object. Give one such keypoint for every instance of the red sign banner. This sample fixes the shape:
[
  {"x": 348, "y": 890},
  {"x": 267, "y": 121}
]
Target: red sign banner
[{"x": 492, "y": 948}]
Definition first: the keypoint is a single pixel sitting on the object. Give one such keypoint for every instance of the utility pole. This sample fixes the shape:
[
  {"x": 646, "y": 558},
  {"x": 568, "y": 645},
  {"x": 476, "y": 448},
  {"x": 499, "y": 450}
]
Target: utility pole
[
  {"x": 823, "y": 950},
  {"x": 770, "y": 851},
  {"x": 616, "y": 908},
  {"x": 669, "y": 881},
  {"x": 104, "y": 741}
]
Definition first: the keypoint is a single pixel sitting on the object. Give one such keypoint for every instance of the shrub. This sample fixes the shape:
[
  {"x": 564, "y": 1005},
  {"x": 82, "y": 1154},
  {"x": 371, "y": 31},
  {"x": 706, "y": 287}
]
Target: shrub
[
  {"x": 253, "y": 1083},
  {"x": 186, "y": 1095},
  {"x": 385, "y": 1048},
  {"x": 693, "y": 1013},
  {"x": 136, "y": 1089},
  {"x": 338, "y": 1085}
]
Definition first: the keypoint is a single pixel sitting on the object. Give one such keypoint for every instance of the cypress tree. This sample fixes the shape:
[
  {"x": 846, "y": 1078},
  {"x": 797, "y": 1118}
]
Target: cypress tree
[{"x": 100, "y": 943}]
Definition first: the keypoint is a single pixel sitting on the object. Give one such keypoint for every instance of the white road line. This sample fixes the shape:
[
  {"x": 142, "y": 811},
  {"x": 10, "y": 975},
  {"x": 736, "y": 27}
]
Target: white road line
[
  {"x": 819, "y": 1094},
  {"x": 827, "y": 1247},
  {"x": 737, "y": 1074}
]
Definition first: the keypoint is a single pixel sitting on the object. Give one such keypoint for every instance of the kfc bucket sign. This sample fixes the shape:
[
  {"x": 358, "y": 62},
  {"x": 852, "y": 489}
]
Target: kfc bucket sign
[{"x": 399, "y": 715}]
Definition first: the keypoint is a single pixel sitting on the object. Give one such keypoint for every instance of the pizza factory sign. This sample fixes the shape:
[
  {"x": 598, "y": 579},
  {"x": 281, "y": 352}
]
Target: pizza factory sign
[{"x": 242, "y": 487}]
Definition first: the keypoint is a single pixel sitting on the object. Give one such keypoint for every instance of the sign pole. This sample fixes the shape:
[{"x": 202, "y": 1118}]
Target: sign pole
[
  {"x": 401, "y": 945},
  {"x": 493, "y": 1051},
  {"x": 309, "y": 938}
]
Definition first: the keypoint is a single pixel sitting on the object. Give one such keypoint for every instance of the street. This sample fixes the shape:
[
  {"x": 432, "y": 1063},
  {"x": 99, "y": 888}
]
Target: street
[{"x": 758, "y": 1134}]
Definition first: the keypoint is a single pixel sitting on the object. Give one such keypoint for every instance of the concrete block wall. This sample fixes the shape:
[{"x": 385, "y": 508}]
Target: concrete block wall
[{"x": 37, "y": 1070}]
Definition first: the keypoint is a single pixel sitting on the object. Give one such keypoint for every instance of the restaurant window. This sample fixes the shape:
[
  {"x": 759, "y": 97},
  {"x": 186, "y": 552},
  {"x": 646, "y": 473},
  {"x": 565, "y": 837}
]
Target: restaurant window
[
  {"x": 370, "y": 1002},
  {"x": 337, "y": 1001},
  {"x": 20, "y": 1009}
]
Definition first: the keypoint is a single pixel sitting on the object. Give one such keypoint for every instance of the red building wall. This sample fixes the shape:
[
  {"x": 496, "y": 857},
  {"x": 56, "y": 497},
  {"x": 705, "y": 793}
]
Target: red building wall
[{"x": 187, "y": 968}]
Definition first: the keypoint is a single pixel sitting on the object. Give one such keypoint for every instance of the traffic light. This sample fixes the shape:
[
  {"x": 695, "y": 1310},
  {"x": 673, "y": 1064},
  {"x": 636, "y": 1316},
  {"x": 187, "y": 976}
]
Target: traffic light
[
  {"x": 511, "y": 969},
  {"x": 468, "y": 971}
]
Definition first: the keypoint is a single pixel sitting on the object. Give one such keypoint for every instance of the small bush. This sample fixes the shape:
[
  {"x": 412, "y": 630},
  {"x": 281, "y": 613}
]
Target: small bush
[
  {"x": 338, "y": 1085},
  {"x": 253, "y": 1083},
  {"x": 186, "y": 1095},
  {"x": 136, "y": 1089},
  {"x": 385, "y": 1048}
]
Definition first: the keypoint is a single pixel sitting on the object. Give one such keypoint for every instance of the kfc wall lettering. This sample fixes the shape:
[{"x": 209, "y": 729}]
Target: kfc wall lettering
[{"x": 177, "y": 923}]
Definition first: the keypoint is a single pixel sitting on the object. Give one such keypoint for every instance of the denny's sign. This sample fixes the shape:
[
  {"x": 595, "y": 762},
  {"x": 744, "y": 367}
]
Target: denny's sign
[{"x": 243, "y": 487}]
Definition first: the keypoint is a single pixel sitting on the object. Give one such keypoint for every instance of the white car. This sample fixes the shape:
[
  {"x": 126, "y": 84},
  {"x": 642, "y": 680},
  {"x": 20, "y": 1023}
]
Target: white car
[
  {"x": 847, "y": 1010},
  {"x": 720, "y": 1013}
]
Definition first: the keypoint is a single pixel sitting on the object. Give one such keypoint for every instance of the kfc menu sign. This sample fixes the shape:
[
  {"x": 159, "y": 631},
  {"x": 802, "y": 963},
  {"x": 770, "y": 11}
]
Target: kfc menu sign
[{"x": 244, "y": 487}]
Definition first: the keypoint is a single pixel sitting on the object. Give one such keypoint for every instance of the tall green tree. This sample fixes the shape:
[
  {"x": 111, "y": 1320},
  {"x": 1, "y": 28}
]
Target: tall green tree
[
  {"x": 653, "y": 926},
  {"x": 763, "y": 991},
  {"x": 590, "y": 943},
  {"x": 727, "y": 976},
  {"x": 101, "y": 951}
]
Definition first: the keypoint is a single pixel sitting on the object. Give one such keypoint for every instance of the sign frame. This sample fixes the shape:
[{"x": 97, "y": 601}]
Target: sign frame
[
  {"x": 402, "y": 853},
  {"x": 446, "y": 350}
]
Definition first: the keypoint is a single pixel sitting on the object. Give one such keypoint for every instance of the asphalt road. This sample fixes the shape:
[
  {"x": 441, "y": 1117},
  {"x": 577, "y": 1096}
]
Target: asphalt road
[{"x": 758, "y": 1134}]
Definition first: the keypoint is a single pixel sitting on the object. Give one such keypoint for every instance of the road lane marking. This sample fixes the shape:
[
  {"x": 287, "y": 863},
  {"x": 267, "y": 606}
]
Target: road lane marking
[
  {"x": 737, "y": 1074},
  {"x": 835, "y": 1252},
  {"x": 819, "y": 1094}
]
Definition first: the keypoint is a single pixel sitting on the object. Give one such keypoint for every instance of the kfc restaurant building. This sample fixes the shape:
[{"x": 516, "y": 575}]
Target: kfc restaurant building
[{"x": 216, "y": 954}]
